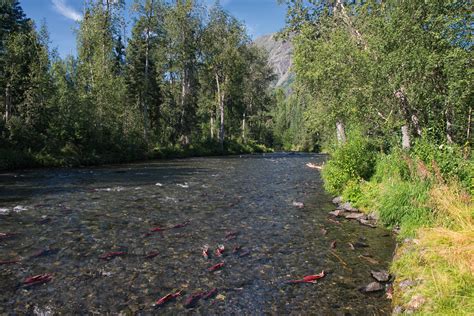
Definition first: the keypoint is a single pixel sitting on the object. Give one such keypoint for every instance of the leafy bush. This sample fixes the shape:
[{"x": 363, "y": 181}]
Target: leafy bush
[
  {"x": 448, "y": 159},
  {"x": 393, "y": 165},
  {"x": 353, "y": 161}
]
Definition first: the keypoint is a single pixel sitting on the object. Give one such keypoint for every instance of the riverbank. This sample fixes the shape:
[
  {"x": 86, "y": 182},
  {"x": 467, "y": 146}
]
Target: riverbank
[
  {"x": 11, "y": 159},
  {"x": 425, "y": 195}
]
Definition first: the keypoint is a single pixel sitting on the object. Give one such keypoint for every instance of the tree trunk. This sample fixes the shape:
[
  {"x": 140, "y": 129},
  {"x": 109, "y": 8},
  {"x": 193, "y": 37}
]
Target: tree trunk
[
  {"x": 405, "y": 137},
  {"x": 410, "y": 118},
  {"x": 468, "y": 134},
  {"x": 212, "y": 124},
  {"x": 243, "y": 127},
  {"x": 469, "y": 121},
  {"x": 8, "y": 103},
  {"x": 220, "y": 98},
  {"x": 185, "y": 87},
  {"x": 341, "y": 133},
  {"x": 147, "y": 71},
  {"x": 449, "y": 126}
]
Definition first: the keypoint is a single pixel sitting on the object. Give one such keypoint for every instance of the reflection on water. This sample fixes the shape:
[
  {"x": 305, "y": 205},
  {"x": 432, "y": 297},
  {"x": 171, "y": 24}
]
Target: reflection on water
[{"x": 91, "y": 230}]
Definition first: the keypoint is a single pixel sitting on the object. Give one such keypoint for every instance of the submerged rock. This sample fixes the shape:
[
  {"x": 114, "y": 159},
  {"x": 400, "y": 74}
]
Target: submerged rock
[
  {"x": 372, "y": 287},
  {"x": 381, "y": 276}
]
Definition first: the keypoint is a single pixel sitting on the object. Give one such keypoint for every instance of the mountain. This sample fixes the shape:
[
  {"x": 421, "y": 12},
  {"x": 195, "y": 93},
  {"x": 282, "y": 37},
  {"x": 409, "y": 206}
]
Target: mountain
[{"x": 280, "y": 53}]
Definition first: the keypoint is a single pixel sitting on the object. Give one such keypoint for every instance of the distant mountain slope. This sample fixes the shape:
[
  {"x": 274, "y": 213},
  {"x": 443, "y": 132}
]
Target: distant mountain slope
[{"x": 279, "y": 58}]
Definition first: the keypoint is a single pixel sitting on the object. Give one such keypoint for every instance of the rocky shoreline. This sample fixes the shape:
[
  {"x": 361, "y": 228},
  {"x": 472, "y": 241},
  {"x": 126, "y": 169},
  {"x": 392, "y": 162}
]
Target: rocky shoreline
[{"x": 384, "y": 281}]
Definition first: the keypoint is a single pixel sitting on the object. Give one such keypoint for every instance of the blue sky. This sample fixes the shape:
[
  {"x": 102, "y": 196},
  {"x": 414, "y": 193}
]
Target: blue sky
[{"x": 260, "y": 16}]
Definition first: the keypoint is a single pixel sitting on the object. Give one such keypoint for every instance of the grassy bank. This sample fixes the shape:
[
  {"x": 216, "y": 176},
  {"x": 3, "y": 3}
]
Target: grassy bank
[
  {"x": 71, "y": 156},
  {"x": 426, "y": 195}
]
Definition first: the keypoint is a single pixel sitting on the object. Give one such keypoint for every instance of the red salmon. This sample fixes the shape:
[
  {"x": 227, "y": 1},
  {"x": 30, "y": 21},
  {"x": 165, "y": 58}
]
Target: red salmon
[
  {"x": 181, "y": 225},
  {"x": 152, "y": 255},
  {"x": 210, "y": 294},
  {"x": 38, "y": 279},
  {"x": 111, "y": 255},
  {"x": 205, "y": 251},
  {"x": 220, "y": 250},
  {"x": 309, "y": 278},
  {"x": 168, "y": 297},
  {"x": 193, "y": 299},
  {"x": 216, "y": 267}
]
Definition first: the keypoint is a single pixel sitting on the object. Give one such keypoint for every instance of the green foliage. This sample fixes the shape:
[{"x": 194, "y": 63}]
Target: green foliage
[
  {"x": 447, "y": 159},
  {"x": 352, "y": 161},
  {"x": 404, "y": 204},
  {"x": 391, "y": 166}
]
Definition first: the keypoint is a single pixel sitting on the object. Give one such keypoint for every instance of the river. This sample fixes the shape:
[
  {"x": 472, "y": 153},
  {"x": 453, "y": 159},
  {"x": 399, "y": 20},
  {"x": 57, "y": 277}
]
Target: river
[{"x": 68, "y": 218}]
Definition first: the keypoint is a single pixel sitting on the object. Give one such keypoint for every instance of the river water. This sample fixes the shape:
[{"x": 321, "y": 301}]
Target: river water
[{"x": 68, "y": 218}]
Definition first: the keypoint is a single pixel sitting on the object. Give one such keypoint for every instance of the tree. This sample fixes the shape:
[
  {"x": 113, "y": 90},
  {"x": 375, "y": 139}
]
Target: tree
[
  {"x": 145, "y": 56},
  {"x": 224, "y": 39}
]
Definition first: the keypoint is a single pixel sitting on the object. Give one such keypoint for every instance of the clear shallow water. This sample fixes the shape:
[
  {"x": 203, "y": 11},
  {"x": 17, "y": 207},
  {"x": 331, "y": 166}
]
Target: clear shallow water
[{"x": 80, "y": 214}]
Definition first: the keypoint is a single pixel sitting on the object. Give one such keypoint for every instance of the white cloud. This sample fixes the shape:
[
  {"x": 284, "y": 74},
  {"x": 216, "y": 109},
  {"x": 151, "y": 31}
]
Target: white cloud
[{"x": 67, "y": 11}]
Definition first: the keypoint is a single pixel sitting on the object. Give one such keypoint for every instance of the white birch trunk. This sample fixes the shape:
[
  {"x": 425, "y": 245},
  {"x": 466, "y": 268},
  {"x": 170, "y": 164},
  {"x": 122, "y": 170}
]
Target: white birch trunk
[
  {"x": 405, "y": 137},
  {"x": 341, "y": 133}
]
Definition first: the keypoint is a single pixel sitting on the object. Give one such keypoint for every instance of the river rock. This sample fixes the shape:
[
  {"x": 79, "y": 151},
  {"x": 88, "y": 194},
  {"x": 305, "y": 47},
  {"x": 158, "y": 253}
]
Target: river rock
[
  {"x": 372, "y": 287},
  {"x": 357, "y": 216},
  {"x": 366, "y": 222},
  {"x": 337, "y": 213},
  {"x": 381, "y": 276},
  {"x": 348, "y": 207},
  {"x": 337, "y": 200}
]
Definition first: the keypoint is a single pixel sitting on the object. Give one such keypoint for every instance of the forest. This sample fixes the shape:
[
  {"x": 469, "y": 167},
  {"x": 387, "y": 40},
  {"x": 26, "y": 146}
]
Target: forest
[{"x": 187, "y": 81}]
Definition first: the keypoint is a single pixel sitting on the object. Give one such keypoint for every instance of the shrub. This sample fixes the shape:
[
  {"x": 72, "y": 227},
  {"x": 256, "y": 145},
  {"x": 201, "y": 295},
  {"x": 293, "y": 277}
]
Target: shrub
[
  {"x": 447, "y": 159},
  {"x": 351, "y": 162}
]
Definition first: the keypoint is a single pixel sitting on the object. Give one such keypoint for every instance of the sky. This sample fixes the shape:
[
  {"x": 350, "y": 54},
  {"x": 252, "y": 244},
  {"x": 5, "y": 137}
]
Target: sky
[{"x": 261, "y": 17}]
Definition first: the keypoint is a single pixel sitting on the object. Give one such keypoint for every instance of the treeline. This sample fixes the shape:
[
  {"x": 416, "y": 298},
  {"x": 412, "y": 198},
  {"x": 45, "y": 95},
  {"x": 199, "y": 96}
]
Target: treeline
[
  {"x": 188, "y": 78},
  {"x": 387, "y": 88}
]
